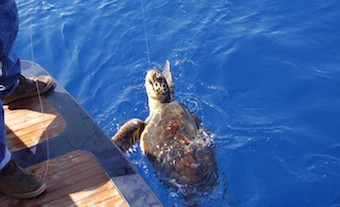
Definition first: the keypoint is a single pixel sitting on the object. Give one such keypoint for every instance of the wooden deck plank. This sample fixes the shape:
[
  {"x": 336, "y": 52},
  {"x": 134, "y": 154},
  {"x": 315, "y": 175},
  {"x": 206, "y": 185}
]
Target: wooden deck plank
[
  {"x": 26, "y": 124},
  {"x": 74, "y": 179},
  {"x": 90, "y": 197},
  {"x": 35, "y": 130},
  {"x": 24, "y": 121},
  {"x": 33, "y": 138}
]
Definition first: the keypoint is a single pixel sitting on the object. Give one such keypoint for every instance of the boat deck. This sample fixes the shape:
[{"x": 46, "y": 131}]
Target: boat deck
[{"x": 60, "y": 143}]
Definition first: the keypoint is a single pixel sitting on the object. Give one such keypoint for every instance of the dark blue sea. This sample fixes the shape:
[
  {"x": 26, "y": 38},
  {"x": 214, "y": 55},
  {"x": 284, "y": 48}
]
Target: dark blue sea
[{"x": 263, "y": 76}]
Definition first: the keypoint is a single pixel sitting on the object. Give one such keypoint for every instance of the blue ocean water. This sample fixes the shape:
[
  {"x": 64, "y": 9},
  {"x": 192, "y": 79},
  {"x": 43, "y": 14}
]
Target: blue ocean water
[{"x": 264, "y": 77}]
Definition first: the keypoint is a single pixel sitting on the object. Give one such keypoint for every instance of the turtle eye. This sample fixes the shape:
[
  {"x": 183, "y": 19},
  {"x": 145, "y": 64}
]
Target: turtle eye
[
  {"x": 150, "y": 82},
  {"x": 159, "y": 78}
]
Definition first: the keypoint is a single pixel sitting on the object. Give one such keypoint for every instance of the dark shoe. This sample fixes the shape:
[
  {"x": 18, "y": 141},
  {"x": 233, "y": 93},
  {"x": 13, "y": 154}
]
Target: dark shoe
[
  {"x": 16, "y": 182},
  {"x": 27, "y": 88}
]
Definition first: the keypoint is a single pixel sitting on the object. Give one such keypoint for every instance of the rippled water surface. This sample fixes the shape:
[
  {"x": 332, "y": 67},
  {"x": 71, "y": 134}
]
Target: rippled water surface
[{"x": 263, "y": 75}]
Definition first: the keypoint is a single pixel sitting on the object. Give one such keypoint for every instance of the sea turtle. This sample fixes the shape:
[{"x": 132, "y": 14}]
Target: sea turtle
[{"x": 171, "y": 137}]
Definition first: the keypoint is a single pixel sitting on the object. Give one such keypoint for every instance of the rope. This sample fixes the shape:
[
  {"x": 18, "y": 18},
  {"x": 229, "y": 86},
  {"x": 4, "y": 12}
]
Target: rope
[
  {"x": 146, "y": 34},
  {"x": 38, "y": 91}
]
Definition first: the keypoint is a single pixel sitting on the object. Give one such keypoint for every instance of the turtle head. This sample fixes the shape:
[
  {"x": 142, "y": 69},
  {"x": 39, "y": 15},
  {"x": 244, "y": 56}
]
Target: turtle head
[
  {"x": 159, "y": 86},
  {"x": 156, "y": 86}
]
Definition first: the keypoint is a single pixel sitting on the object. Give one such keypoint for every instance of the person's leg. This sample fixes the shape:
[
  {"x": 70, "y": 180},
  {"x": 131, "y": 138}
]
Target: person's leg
[
  {"x": 9, "y": 65},
  {"x": 14, "y": 180},
  {"x": 9, "y": 62},
  {"x": 13, "y": 85},
  {"x": 5, "y": 155}
]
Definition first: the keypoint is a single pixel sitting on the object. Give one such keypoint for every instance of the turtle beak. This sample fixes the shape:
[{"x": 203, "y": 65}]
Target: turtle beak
[{"x": 149, "y": 77}]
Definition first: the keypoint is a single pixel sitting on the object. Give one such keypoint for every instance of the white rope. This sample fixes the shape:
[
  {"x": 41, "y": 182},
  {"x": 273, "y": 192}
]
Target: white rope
[
  {"x": 146, "y": 34},
  {"x": 46, "y": 136}
]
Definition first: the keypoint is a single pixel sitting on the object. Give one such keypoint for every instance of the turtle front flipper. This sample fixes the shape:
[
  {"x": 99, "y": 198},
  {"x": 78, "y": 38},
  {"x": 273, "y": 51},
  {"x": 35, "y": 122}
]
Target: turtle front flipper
[{"x": 128, "y": 134}]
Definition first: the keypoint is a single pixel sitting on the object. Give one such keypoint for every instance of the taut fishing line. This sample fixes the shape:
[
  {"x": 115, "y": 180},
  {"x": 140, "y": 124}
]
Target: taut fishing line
[
  {"x": 46, "y": 136},
  {"x": 145, "y": 34}
]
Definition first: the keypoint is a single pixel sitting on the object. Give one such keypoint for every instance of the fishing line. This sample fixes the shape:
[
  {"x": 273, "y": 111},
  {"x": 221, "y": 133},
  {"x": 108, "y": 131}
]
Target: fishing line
[
  {"x": 38, "y": 91},
  {"x": 145, "y": 33}
]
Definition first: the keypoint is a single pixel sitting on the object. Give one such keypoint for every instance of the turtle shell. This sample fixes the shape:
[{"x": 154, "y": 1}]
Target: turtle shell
[
  {"x": 170, "y": 125},
  {"x": 177, "y": 146}
]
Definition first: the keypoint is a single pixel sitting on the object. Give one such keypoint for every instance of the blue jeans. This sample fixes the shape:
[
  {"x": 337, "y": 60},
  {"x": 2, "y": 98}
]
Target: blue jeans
[{"x": 10, "y": 65}]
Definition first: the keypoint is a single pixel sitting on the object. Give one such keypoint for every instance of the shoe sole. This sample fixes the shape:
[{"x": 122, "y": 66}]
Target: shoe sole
[{"x": 30, "y": 194}]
